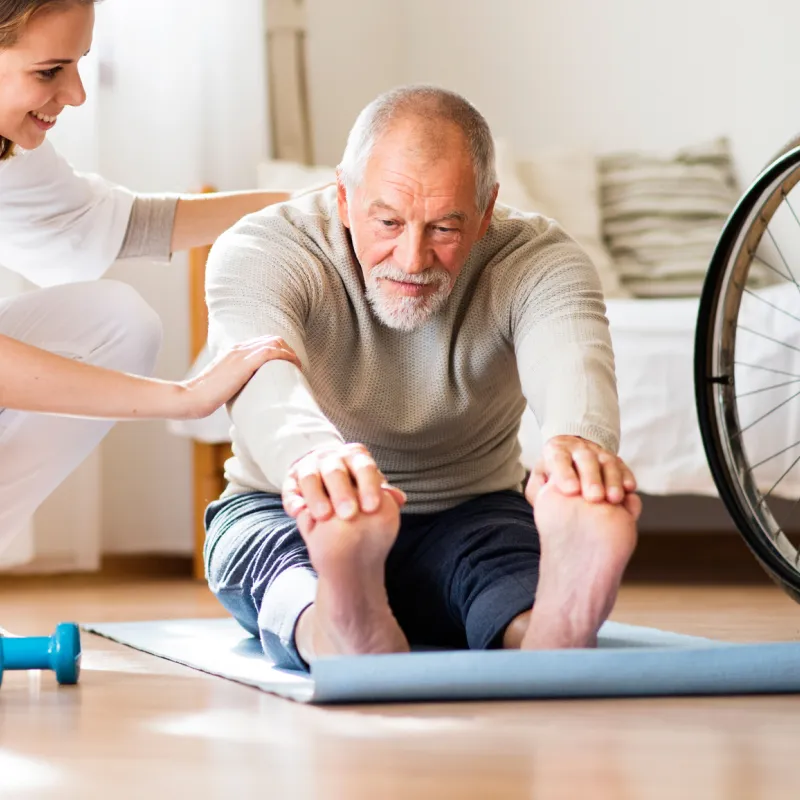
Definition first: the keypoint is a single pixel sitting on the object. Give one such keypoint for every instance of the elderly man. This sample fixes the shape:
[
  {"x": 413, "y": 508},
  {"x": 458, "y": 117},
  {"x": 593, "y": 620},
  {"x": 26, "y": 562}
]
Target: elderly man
[{"x": 424, "y": 318}]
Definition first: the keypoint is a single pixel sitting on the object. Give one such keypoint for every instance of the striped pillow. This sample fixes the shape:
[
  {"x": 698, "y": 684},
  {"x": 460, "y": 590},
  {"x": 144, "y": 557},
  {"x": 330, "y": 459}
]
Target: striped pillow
[{"x": 662, "y": 216}]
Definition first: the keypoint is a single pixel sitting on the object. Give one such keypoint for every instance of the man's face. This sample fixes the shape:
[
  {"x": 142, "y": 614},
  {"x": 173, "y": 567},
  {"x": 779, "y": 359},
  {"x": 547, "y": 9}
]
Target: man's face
[{"x": 413, "y": 221}]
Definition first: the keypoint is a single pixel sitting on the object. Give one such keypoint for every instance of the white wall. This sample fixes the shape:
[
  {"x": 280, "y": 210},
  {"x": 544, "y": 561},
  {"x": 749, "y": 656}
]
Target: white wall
[
  {"x": 356, "y": 50},
  {"x": 618, "y": 73}
]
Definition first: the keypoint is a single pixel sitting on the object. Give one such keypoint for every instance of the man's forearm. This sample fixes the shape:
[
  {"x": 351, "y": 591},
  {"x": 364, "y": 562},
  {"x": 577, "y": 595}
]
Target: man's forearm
[
  {"x": 200, "y": 219},
  {"x": 571, "y": 389},
  {"x": 279, "y": 421},
  {"x": 36, "y": 380}
]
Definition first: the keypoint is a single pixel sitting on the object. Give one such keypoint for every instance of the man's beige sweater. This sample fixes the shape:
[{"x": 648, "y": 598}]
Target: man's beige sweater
[{"x": 438, "y": 407}]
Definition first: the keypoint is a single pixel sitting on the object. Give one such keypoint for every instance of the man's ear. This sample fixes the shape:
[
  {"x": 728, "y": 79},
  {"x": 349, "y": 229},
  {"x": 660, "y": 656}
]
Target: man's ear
[
  {"x": 487, "y": 216},
  {"x": 341, "y": 199}
]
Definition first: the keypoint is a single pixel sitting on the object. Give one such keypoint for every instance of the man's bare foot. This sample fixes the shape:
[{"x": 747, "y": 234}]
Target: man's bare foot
[
  {"x": 585, "y": 549},
  {"x": 351, "y": 613}
]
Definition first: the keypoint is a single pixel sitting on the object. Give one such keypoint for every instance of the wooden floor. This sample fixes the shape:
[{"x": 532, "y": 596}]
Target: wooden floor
[{"x": 140, "y": 727}]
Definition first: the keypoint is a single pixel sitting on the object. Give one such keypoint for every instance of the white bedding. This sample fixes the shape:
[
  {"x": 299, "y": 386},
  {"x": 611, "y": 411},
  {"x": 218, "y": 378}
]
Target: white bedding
[{"x": 654, "y": 348}]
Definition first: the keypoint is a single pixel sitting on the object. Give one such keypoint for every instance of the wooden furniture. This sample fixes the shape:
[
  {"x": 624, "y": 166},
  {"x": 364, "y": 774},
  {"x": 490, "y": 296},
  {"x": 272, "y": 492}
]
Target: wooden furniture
[{"x": 208, "y": 460}]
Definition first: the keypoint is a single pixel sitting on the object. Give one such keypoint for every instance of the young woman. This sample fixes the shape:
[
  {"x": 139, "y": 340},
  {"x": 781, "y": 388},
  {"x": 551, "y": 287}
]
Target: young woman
[{"x": 72, "y": 353}]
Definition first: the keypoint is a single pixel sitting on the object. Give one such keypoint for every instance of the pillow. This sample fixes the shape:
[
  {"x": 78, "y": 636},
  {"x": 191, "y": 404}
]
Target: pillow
[
  {"x": 561, "y": 185},
  {"x": 662, "y": 216}
]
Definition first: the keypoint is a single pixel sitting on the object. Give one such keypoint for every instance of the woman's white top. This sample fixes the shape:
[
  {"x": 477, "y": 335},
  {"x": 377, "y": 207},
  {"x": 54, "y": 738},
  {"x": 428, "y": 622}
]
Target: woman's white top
[{"x": 61, "y": 226}]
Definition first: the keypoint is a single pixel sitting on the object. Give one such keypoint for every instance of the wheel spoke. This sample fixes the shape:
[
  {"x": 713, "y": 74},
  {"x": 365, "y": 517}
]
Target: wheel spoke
[
  {"x": 766, "y": 369},
  {"x": 791, "y": 208},
  {"x": 764, "y": 416},
  {"x": 767, "y": 302},
  {"x": 779, "y": 453},
  {"x": 783, "y": 258},
  {"x": 770, "y": 338},
  {"x": 760, "y": 260},
  {"x": 775, "y": 485},
  {"x": 766, "y": 389}
]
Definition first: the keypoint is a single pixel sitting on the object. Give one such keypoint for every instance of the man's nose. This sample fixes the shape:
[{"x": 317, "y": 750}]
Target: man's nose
[{"x": 411, "y": 254}]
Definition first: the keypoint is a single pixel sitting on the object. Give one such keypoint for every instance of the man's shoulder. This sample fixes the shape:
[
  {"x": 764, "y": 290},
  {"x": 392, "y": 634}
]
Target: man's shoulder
[
  {"x": 516, "y": 242},
  {"x": 512, "y": 223},
  {"x": 525, "y": 256},
  {"x": 299, "y": 242},
  {"x": 310, "y": 218}
]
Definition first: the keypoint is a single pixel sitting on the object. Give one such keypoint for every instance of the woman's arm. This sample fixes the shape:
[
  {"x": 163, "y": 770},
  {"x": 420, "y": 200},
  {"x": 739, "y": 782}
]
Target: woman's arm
[
  {"x": 201, "y": 218},
  {"x": 36, "y": 380}
]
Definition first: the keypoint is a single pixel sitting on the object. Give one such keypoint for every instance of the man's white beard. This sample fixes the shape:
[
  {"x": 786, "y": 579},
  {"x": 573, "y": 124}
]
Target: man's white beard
[{"x": 407, "y": 313}]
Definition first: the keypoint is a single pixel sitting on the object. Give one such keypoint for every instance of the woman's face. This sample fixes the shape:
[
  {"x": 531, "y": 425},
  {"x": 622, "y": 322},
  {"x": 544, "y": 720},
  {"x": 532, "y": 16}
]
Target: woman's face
[{"x": 39, "y": 74}]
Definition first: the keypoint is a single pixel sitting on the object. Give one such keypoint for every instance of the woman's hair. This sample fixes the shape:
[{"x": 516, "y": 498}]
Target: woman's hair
[{"x": 14, "y": 16}]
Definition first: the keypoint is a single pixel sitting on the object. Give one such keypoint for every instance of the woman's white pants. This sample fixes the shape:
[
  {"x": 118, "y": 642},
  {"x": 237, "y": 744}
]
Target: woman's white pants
[{"x": 105, "y": 323}]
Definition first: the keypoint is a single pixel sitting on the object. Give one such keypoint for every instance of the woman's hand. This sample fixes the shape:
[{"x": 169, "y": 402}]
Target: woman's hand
[{"x": 227, "y": 375}]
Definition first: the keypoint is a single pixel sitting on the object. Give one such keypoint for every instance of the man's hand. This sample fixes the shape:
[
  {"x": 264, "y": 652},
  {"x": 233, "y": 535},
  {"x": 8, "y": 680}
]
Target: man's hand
[
  {"x": 342, "y": 481},
  {"x": 577, "y": 466}
]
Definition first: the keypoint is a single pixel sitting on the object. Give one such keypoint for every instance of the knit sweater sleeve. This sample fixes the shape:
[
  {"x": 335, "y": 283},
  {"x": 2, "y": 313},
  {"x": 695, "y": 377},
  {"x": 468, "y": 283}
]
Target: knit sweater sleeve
[
  {"x": 562, "y": 341},
  {"x": 261, "y": 281}
]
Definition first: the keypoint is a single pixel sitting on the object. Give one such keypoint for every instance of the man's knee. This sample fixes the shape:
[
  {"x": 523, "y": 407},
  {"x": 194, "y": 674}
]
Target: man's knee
[{"x": 131, "y": 331}]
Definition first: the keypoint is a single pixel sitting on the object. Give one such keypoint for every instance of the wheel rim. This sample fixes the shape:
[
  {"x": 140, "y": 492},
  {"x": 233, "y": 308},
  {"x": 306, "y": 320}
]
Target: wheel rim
[{"x": 732, "y": 443}]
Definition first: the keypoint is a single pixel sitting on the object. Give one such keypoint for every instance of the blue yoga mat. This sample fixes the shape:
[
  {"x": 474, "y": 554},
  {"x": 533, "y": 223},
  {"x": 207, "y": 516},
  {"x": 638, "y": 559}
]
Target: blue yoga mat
[{"x": 630, "y": 662}]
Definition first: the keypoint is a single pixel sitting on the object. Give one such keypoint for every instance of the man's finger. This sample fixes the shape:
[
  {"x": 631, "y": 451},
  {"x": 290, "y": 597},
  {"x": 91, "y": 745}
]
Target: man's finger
[
  {"x": 368, "y": 478},
  {"x": 339, "y": 485},
  {"x": 612, "y": 478},
  {"x": 305, "y": 523},
  {"x": 311, "y": 487},
  {"x": 558, "y": 461},
  {"x": 591, "y": 475},
  {"x": 633, "y": 505},
  {"x": 398, "y": 495},
  {"x": 628, "y": 480},
  {"x": 535, "y": 484},
  {"x": 293, "y": 501}
]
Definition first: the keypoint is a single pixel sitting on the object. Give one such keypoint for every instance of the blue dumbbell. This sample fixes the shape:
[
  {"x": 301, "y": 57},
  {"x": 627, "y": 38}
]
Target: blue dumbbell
[{"x": 60, "y": 652}]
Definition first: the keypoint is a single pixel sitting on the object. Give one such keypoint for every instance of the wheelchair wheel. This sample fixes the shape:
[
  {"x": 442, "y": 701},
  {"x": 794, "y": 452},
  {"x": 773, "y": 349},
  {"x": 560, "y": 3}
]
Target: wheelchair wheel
[{"x": 747, "y": 367}]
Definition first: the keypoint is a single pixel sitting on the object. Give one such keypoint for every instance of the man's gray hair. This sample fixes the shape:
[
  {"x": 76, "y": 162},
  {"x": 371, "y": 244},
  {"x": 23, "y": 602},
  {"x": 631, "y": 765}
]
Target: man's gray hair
[{"x": 432, "y": 104}]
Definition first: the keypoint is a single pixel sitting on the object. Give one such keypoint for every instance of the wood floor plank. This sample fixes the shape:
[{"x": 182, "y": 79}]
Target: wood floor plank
[{"x": 139, "y": 727}]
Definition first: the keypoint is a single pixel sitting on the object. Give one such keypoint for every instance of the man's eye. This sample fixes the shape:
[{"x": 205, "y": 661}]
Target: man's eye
[
  {"x": 388, "y": 223},
  {"x": 49, "y": 74},
  {"x": 441, "y": 229}
]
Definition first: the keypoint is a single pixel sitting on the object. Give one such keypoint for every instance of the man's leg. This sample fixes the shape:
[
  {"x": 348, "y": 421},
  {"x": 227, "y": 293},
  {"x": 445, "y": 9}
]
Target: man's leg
[
  {"x": 457, "y": 578},
  {"x": 585, "y": 549},
  {"x": 261, "y": 571},
  {"x": 492, "y": 563},
  {"x": 103, "y": 323},
  {"x": 351, "y": 614}
]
